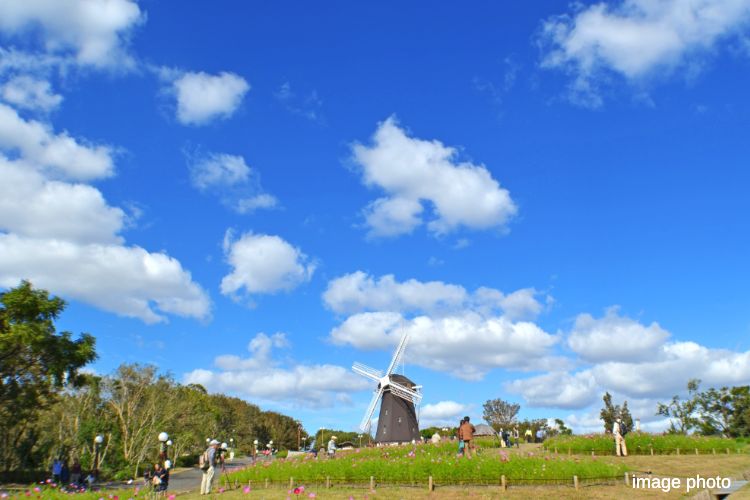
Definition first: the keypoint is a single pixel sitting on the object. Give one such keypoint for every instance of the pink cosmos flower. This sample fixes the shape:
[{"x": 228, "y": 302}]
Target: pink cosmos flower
[{"x": 246, "y": 490}]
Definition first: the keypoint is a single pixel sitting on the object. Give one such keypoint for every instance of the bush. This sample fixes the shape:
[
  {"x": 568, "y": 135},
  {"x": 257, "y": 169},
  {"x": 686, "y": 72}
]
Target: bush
[
  {"x": 187, "y": 460},
  {"x": 282, "y": 454}
]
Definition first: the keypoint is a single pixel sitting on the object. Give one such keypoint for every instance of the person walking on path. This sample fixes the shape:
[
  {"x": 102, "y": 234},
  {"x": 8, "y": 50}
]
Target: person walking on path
[
  {"x": 467, "y": 433},
  {"x": 619, "y": 431},
  {"x": 516, "y": 436},
  {"x": 209, "y": 462}
]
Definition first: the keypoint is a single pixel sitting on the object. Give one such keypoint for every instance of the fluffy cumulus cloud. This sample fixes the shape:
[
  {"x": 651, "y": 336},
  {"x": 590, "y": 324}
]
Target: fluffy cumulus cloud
[
  {"x": 466, "y": 345},
  {"x": 202, "y": 98},
  {"x": 636, "y": 38},
  {"x": 229, "y": 177},
  {"x": 415, "y": 174},
  {"x": 557, "y": 390},
  {"x": 647, "y": 368},
  {"x": 127, "y": 280},
  {"x": 58, "y": 153},
  {"x": 615, "y": 338},
  {"x": 263, "y": 264},
  {"x": 30, "y": 93},
  {"x": 359, "y": 292},
  {"x": 260, "y": 376},
  {"x": 62, "y": 235},
  {"x": 91, "y": 32},
  {"x": 442, "y": 413}
]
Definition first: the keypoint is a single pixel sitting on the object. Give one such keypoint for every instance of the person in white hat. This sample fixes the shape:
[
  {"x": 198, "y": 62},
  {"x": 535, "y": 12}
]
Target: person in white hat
[
  {"x": 332, "y": 447},
  {"x": 209, "y": 458}
]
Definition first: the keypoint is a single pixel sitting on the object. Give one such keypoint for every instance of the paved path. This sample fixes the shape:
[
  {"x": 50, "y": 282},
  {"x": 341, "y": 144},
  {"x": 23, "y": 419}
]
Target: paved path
[{"x": 182, "y": 480}]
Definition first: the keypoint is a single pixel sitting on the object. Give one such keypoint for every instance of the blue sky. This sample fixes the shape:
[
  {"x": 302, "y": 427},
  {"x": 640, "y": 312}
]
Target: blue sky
[{"x": 549, "y": 198}]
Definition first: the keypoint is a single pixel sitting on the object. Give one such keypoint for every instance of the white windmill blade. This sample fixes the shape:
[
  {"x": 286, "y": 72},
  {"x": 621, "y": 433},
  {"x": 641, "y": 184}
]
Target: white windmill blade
[
  {"x": 367, "y": 421},
  {"x": 404, "y": 392},
  {"x": 368, "y": 372},
  {"x": 398, "y": 354}
]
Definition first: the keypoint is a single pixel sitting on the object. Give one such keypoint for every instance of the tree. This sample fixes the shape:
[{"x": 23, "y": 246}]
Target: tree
[
  {"x": 609, "y": 412},
  {"x": 725, "y": 411},
  {"x": 499, "y": 413},
  {"x": 561, "y": 428},
  {"x": 682, "y": 413},
  {"x": 36, "y": 362},
  {"x": 627, "y": 418}
]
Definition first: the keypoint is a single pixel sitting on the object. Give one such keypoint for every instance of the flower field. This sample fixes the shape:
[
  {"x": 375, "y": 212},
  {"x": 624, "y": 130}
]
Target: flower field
[
  {"x": 415, "y": 464},
  {"x": 641, "y": 443}
]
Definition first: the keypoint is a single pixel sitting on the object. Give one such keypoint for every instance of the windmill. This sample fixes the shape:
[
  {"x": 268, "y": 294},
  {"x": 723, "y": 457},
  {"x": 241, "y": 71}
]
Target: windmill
[{"x": 399, "y": 396}]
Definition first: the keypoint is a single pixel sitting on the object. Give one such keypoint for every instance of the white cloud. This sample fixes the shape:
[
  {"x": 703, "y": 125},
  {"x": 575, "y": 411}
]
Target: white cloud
[
  {"x": 654, "y": 370},
  {"x": 33, "y": 206},
  {"x": 94, "y": 32},
  {"x": 358, "y": 292},
  {"x": 202, "y": 98},
  {"x": 30, "y": 93},
  {"x": 59, "y": 154},
  {"x": 557, "y": 389},
  {"x": 232, "y": 179},
  {"x": 263, "y": 264},
  {"x": 466, "y": 345},
  {"x": 676, "y": 363},
  {"x": 615, "y": 338},
  {"x": 253, "y": 203},
  {"x": 219, "y": 170},
  {"x": 413, "y": 171},
  {"x": 442, "y": 413},
  {"x": 260, "y": 376},
  {"x": 636, "y": 38},
  {"x": 125, "y": 280},
  {"x": 64, "y": 237}
]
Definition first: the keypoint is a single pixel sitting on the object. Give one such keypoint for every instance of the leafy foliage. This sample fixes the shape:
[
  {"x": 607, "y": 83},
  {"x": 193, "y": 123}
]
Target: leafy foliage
[
  {"x": 641, "y": 443},
  {"x": 36, "y": 363}
]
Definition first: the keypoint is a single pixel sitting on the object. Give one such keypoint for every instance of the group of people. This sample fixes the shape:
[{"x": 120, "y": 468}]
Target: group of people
[
  {"x": 64, "y": 475},
  {"x": 506, "y": 435}
]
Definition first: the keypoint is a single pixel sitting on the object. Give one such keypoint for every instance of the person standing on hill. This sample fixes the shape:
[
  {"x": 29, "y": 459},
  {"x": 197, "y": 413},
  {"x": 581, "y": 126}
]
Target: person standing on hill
[
  {"x": 619, "y": 430},
  {"x": 332, "y": 447},
  {"x": 467, "y": 433},
  {"x": 529, "y": 435},
  {"x": 516, "y": 436}
]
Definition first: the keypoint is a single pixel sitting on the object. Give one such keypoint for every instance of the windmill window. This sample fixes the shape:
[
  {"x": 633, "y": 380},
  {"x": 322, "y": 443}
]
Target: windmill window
[
  {"x": 386, "y": 412},
  {"x": 399, "y": 420}
]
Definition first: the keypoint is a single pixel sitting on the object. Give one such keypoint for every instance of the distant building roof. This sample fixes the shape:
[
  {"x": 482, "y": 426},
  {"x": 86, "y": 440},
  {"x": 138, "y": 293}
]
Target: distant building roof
[{"x": 483, "y": 430}]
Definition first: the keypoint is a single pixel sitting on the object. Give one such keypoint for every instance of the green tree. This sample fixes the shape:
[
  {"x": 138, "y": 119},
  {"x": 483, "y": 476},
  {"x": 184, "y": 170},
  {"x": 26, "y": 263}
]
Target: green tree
[
  {"x": 627, "y": 418},
  {"x": 561, "y": 428},
  {"x": 682, "y": 414},
  {"x": 500, "y": 414},
  {"x": 724, "y": 411},
  {"x": 609, "y": 412},
  {"x": 36, "y": 362}
]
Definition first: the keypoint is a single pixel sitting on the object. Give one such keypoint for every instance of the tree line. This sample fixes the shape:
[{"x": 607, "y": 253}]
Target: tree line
[{"x": 50, "y": 408}]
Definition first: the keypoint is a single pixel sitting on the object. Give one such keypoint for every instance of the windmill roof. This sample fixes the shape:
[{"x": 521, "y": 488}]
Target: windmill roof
[{"x": 400, "y": 379}]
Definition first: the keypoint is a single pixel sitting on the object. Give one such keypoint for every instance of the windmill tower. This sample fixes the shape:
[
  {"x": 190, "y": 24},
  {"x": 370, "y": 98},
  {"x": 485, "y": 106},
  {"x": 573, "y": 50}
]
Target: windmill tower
[{"x": 398, "y": 395}]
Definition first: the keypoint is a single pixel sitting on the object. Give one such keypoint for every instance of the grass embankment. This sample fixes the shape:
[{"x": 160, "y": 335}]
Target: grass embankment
[
  {"x": 641, "y": 443},
  {"x": 415, "y": 464}
]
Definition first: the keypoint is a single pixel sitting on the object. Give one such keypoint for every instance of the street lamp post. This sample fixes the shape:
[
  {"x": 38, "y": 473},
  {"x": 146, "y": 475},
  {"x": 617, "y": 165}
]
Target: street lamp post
[
  {"x": 304, "y": 443},
  {"x": 255, "y": 449},
  {"x": 231, "y": 448},
  {"x": 321, "y": 438},
  {"x": 360, "y": 440},
  {"x": 98, "y": 440},
  {"x": 169, "y": 445},
  {"x": 163, "y": 438}
]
